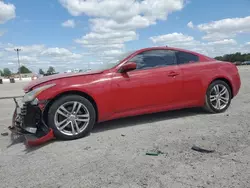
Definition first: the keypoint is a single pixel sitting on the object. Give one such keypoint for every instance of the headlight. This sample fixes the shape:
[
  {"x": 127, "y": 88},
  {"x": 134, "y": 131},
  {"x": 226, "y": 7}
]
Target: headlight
[{"x": 30, "y": 96}]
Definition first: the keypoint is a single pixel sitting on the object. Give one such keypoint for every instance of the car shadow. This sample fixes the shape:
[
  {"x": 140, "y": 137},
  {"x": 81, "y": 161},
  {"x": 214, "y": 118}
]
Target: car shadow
[
  {"x": 29, "y": 149},
  {"x": 149, "y": 118},
  {"x": 120, "y": 123},
  {"x": 17, "y": 139}
]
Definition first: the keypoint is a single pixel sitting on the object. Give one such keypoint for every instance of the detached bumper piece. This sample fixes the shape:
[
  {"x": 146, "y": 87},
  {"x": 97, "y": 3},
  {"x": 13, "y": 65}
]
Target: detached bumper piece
[{"x": 28, "y": 121}]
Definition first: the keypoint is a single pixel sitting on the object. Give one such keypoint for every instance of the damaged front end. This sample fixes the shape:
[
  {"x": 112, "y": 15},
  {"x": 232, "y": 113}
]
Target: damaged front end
[{"x": 28, "y": 121}]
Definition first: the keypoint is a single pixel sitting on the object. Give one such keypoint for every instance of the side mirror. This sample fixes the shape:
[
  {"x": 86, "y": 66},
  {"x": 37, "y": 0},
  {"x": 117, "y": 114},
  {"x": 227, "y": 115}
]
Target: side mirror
[{"x": 128, "y": 67}]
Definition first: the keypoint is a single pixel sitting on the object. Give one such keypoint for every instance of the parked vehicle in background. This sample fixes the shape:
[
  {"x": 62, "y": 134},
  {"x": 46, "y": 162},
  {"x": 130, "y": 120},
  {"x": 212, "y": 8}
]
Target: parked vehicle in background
[
  {"x": 237, "y": 63},
  {"x": 140, "y": 82},
  {"x": 246, "y": 63}
]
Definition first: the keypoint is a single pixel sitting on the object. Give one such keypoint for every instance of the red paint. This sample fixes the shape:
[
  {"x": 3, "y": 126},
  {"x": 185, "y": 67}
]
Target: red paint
[
  {"x": 137, "y": 92},
  {"x": 44, "y": 139}
]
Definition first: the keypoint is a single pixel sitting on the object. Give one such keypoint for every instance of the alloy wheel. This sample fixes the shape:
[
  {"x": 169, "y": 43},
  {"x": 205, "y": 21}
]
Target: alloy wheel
[
  {"x": 219, "y": 96},
  {"x": 72, "y": 118}
]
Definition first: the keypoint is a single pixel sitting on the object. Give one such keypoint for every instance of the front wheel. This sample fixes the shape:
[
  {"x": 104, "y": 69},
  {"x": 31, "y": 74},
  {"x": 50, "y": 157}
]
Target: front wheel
[
  {"x": 71, "y": 117},
  {"x": 218, "y": 97}
]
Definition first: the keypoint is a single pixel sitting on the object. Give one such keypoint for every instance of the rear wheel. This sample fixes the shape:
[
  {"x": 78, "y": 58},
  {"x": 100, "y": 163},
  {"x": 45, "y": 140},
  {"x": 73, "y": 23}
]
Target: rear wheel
[
  {"x": 218, "y": 97},
  {"x": 71, "y": 117}
]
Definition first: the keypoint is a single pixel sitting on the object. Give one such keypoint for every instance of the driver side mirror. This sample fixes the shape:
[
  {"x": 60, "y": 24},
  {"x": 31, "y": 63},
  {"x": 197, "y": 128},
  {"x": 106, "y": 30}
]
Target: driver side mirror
[{"x": 128, "y": 67}]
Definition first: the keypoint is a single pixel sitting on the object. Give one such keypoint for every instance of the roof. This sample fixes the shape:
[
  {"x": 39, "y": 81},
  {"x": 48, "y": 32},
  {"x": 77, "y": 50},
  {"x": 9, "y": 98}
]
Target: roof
[
  {"x": 175, "y": 49},
  {"x": 169, "y": 48}
]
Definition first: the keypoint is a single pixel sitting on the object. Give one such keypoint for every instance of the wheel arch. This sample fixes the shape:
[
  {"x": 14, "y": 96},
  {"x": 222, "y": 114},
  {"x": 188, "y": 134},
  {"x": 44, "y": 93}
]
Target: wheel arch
[
  {"x": 71, "y": 92},
  {"x": 225, "y": 80}
]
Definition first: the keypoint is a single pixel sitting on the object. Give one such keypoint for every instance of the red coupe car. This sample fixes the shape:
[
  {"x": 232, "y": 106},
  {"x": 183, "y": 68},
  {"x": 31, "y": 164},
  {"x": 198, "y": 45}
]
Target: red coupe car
[{"x": 140, "y": 82}]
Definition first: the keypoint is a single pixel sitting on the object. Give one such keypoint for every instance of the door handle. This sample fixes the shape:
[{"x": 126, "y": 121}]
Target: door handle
[{"x": 173, "y": 74}]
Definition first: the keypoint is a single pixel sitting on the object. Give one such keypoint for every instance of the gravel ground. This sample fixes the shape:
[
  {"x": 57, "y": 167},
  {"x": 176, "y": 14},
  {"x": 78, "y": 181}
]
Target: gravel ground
[
  {"x": 113, "y": 155},
  {"x": 13, "y": 89}
]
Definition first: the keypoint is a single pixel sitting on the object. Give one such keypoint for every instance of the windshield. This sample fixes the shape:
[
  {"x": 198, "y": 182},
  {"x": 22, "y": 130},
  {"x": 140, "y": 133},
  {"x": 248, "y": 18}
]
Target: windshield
[{"x": 113, "y": 62}]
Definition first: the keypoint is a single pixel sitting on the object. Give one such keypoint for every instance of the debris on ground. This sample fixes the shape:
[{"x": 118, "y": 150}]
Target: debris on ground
[
  {"x": 202, "y": 150},
  {"x": 5, "y": 134},
  {"x": 154, "y": 153},
  {"x": 122, "y": 134},
  {"x": 87, "y": 148}
]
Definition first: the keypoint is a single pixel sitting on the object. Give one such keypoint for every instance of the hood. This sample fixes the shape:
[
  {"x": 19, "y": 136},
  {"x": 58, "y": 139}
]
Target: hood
[{"x": 44, "y": 79}]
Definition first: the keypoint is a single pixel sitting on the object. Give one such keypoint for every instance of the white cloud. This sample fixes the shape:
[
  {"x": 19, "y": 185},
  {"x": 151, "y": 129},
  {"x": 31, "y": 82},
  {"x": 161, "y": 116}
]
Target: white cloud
[
  {"x": 113, "y": 22},
  {"x": 7, "y": 12},
  {"x": 108, "y": 25},
  {"x": 62, "y": 55},
  {"x": 101, "y": 46},
  {"x": 173, "y": 37},
  {"x": 56, "y": 52},
  {"x": 39, "y": 56},
  {"x": 248, "y": 43},
  {"x": 190, "y": 25},
  {"x": 223, "y": 42},
  {"x": 27, "y": 59},
  {"x": 69, "y": 23},
  {"x": 159, "y": 9},
  {"x": 236, "y": 25},
  {"x": 99, "y": 42},
  {"x": 211, "y": 49},
  {"x": 115, "y": 37},
  {"x": 217, "y": 36},
  {"x": 96, "y": 63},
  {"x": 225, "y": 28},
  {"x": 220, "y": 35},
  {"x": 112, "y": 52},
  {"x": 122, "y": 9}
]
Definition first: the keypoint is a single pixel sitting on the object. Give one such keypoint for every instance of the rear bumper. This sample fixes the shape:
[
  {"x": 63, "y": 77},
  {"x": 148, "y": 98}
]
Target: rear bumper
[
  {"x": 28, "y": 120},
  {"x": 236, "y": 84}
]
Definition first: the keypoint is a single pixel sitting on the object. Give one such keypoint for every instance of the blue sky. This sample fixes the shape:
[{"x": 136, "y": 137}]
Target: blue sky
[{"x": 97, "y": 31}]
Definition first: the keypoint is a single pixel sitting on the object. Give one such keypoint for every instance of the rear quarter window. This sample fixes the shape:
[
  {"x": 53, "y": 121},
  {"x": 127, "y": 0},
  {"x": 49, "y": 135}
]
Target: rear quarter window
[{"x": 184, "y": 58}]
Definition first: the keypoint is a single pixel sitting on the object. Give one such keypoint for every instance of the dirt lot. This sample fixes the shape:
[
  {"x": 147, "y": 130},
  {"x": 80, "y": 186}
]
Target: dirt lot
[{"x": 114, "y": 154}]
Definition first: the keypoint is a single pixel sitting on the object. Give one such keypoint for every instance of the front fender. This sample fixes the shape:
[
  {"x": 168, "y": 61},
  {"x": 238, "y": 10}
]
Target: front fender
[
  {"x": 52, "y": 93},
  {"x": 99, "y": 90}
]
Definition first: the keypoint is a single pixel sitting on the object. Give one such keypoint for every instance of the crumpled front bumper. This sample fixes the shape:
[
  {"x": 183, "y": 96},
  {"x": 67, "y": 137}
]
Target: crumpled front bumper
[{"x": 28, "y": 121}]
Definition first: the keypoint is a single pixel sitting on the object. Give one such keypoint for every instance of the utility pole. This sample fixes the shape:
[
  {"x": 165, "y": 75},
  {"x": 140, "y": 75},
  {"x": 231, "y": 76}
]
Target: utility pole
[{"x": 19, "y": 66}]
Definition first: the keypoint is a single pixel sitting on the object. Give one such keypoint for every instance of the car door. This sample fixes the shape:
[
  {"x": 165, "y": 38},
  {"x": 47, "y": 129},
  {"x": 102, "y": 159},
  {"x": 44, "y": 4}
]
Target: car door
[
  {"x": 157, "y": 81},
  {"x": 192, "y": 77}
]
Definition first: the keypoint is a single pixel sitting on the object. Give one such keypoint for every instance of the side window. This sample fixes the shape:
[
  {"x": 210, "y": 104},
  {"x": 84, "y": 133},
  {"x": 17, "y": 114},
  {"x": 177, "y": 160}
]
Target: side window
[
  {"x": 154, "y": 58},
  {"x": 184, "y": 58}
]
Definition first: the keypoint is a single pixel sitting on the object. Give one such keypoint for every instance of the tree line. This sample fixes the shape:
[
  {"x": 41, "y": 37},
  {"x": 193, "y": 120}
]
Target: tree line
[
  {"x": 6, "y": 72},
  {"x": 236, "y": 57}
]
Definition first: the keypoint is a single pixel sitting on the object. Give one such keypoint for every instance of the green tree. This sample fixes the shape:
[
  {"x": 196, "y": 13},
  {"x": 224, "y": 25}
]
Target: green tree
[
  {"x": 41, "y": 72},
  {"x": 24, "y": 70},
  {"x": 1, "y": 73},
  {"x": 6, "y": 72},
  {"x": 51, "y": 70},
  {"x": 234, "y": 57}
]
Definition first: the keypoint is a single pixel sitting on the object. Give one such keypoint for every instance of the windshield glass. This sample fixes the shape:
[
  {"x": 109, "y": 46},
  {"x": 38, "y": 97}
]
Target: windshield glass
[{"x": 113, "y": 62}]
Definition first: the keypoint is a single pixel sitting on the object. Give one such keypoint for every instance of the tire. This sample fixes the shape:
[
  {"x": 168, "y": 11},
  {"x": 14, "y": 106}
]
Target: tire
[
  {"x": 57, "y": 113},
  {"x": 211, "y": 101}
]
